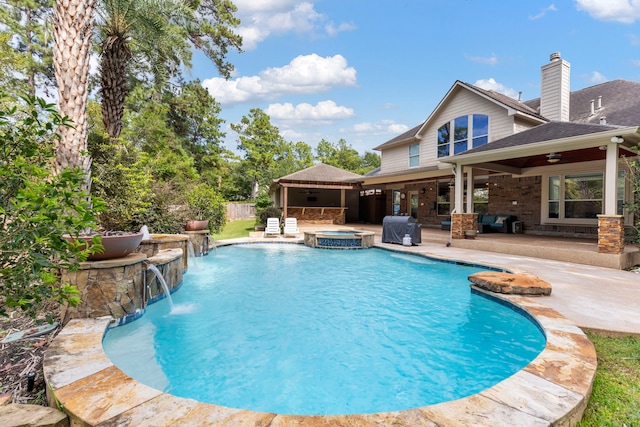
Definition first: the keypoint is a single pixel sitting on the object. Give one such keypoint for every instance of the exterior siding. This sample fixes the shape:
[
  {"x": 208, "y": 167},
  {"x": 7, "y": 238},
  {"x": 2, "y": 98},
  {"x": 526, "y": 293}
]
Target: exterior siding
[{"x": 463, "y": 102}]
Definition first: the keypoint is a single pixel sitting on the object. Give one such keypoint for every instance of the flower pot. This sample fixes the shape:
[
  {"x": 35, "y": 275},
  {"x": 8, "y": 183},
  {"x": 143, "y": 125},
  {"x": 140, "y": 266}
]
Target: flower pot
[
  {"x": 115, "y": 246},
  {"x": 195, "y": 225}
]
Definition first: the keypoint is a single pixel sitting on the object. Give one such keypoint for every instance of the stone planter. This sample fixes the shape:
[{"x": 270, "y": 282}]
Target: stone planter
[
  {"x": 196, "y": 225},
  {"x": 115, "y": 246}
]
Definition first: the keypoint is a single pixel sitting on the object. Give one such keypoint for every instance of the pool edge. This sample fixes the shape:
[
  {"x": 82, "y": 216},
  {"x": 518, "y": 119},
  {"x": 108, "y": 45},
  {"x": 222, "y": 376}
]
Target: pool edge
[{"x": 553, "y": 389}]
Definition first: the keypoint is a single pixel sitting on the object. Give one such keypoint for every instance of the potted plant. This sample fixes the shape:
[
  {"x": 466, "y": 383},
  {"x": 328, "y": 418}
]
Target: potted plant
[{"x": 205, "y": 209}]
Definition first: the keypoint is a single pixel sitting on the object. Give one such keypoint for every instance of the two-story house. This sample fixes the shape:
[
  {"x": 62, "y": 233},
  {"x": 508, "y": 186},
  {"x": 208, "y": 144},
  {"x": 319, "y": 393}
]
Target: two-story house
[{"x": 556, "y": 163}]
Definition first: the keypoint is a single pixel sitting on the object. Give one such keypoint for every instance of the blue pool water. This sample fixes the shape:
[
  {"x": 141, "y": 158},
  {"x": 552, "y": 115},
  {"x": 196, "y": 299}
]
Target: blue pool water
[{"x": 295, "y": 330}]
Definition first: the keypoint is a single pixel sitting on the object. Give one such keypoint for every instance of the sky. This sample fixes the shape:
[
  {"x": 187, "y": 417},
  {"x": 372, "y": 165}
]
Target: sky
[{"x": 369, "y": 70}]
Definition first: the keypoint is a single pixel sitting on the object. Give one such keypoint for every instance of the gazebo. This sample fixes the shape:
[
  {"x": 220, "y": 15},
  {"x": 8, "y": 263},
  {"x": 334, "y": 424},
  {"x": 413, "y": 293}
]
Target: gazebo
[{"x": 320, "y": 194}]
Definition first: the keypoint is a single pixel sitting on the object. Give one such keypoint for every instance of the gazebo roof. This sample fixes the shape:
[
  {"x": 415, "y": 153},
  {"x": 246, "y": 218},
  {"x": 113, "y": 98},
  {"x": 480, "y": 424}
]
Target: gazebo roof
[{"x": 320, "y": 173}]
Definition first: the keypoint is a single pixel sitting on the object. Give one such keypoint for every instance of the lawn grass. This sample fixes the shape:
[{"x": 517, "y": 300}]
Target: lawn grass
[
  {"x": 615, "y": 400},
  {"x": 235, "y": 229}
]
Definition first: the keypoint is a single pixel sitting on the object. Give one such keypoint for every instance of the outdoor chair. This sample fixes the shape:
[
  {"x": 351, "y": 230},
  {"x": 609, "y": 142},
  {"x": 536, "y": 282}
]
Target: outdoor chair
[
  {"x": 291, "y": 227},
  {"x": 272, "y": 228}
]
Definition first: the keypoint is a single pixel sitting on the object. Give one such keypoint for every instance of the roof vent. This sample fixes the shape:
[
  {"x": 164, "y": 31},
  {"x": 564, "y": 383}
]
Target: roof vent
[
  {"x": 599, "y": 104},
  {"x": 593, "y": 103},
  {"x": 603, "y": 120},
  {"x": 554, "y": 56}
]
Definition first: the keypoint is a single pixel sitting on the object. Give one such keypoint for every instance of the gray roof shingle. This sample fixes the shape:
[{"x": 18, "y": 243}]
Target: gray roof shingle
[{"x": 321, "y": 173}]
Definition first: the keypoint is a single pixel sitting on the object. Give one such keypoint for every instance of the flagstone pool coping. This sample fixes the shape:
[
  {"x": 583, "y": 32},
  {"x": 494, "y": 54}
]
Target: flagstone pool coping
[{"x": 552, "y": 390}]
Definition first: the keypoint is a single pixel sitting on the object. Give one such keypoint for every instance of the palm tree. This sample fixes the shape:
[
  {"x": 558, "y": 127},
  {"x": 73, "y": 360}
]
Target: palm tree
[
  {"x": 156, "y": 37},
  {"x": 72, "y": 30}
]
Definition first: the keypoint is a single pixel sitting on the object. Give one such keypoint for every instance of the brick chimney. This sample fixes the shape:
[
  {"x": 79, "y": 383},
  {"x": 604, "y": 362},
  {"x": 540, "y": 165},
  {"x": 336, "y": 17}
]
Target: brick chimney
[{"x": 554, "y": 93}]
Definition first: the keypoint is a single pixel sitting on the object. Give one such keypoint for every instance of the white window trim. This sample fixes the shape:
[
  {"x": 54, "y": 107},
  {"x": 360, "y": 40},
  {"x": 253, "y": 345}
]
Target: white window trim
[
  {"x": 544, "y": 202},
  {"x": 415, "y": 155},
  {"x": 470, "y": 135}
]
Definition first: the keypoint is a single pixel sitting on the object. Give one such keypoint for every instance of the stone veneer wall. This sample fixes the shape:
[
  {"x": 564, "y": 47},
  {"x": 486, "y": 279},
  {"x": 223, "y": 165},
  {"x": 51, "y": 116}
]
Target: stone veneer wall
[
  {"x": 199, "y": 241},
  {"x": 316, "y": 216},
  {"x": 158, "y": 242},
  {"x": 169, "y": 262},
  {"x": 122, "y": 287},
  {"x": 610, "y": 234},
  {"x": 463, "y": 222},
  {"x": 107, "y": 288}
]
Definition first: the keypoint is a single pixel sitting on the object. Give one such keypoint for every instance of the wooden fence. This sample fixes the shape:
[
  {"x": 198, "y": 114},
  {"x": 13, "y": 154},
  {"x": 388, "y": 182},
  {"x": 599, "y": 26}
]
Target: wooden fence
[{"x": 236, "y": 211}]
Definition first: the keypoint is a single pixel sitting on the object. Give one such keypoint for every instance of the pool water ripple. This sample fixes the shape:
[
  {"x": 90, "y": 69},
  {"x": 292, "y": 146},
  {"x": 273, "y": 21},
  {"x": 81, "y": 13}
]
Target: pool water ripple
[{"x": 296, "y": 330}]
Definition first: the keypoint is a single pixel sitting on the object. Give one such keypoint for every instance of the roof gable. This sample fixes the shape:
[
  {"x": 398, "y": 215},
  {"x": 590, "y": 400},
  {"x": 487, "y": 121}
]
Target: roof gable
[{"x": 503, "y": 101}]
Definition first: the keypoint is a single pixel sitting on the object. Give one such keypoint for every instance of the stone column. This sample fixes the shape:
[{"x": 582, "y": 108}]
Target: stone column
[
  {"x": 461, "y": 222},
  {"x": 610, "y": 234}
]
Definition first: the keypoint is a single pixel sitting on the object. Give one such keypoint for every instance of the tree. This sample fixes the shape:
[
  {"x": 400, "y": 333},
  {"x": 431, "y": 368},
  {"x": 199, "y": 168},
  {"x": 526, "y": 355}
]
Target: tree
[
  {"x": 158, "y": 34},
  {"x": 346, "y": 157},
  {"x": 633, "y": 205},
  {"x": 25, "y": 22},
  {"x": 36, "y": 209},
  {"x": 262, "y": 144},
  {"x": 294, "y": 157},
  {"x": 72, "y": 30}
]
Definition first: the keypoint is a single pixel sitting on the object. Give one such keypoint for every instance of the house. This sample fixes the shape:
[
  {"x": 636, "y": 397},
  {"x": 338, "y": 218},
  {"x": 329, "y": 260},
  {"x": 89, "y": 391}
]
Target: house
[{"x": 556, "y": 163}]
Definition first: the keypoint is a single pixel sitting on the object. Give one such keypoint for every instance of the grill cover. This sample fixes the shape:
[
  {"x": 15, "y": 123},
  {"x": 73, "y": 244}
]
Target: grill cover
[{"x": 395, "y": 227}]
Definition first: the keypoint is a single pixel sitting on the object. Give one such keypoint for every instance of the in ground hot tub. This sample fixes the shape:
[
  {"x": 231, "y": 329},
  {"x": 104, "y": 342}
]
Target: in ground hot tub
[{"x": 339, "y": 239}]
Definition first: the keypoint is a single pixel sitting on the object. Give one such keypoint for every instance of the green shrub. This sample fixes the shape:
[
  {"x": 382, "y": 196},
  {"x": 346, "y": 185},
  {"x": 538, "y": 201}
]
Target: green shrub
[
  {"x": 205, "y": 203},
  {"x": 37, "y": 208},
  {"x": 270, "y": 212}
]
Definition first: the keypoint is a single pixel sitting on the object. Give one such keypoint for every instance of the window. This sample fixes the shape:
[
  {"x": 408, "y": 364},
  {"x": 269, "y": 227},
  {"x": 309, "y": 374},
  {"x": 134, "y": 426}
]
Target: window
[
  {"x": 481, "y": 199},
  {"x": 578, "y": 196},
  {"x": 444, "y": 198},
  {"x": 480, "y": 130},
  {"x": 414, "y": 155},
  {"x": 396, "y": 202},
  {"x": 464, "y": 136},
  {"x": 620, "y": 193},
  {"x": 460, "y": 134},
  {"x": 443, "y": 140}
]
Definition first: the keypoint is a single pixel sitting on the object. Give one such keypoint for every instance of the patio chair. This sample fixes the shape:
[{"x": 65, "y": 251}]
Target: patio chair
[
  {"x": 272, "y": 228},
  {"x": 291, "y": 227}
]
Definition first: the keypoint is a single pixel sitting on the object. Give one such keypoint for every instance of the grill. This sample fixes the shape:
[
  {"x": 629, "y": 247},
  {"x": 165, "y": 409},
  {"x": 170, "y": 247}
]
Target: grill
[{"x": 394, "y": 229}]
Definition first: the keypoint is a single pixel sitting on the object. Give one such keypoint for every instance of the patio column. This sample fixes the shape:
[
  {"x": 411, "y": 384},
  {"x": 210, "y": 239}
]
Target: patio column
[
  {"x": 458, "y": 190},
  {"x": 611, "y": 179},
  {"x": 469, "y": 207},
  {"x": 285, "y": 201},
  {"x": 611, "y": 225},
  {"x": 463, "y": 222},
  {"x": 610, "y": 234}
]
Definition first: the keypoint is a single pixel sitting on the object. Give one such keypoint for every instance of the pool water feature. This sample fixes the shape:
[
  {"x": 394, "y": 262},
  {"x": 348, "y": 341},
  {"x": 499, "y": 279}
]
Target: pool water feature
[
  {"x": 378, "y": 331},
  {"x": 339, "y": 239}
]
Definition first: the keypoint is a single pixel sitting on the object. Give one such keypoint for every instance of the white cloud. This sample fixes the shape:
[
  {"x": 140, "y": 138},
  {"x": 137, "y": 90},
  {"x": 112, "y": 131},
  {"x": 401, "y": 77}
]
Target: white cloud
[
  {"x": 322, "y": 112},
  {"x": 635, "y": 62},
  {"x": 596, "y": 78},
  {"x": 379, "y": 128},
  {"x": 261, "y": 19},
  {"x": 491, "y": 60},
  {"x": 305, "y": 74},
  {"x": 624, "y": 11},
  {"x": 491, "y": 84},
  {"x": 332, "y": 30},
  {"x": 551, "y": 8}
]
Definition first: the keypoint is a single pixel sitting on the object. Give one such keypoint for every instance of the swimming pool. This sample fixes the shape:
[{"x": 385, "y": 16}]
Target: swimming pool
[{"x": 378, "y": 342}]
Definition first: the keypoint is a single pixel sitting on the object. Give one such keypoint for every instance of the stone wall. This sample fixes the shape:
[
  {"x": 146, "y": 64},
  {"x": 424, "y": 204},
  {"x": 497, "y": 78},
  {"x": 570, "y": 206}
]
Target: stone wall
[
  {"x": 199, "y": 241},
  {"x": 317, "y": 215},
  {"x": 610, "y": 234},
  {"x": 461, "y": 223},
  {"x": 107, "y": 288},
  {"x": 121, "y": 288}
]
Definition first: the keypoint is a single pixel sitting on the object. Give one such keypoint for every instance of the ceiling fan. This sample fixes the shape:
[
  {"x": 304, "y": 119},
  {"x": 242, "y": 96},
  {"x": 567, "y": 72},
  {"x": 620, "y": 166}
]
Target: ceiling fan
[
  {"x": 309, "y": 192},
  {"x": 554, "y": 157}
]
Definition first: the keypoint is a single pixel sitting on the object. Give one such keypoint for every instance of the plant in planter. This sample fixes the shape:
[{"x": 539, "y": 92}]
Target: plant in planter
[{"x": 205, "y": 209}]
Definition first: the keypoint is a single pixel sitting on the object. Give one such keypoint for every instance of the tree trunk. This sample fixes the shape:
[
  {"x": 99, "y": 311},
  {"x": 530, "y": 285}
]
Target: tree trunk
[
  {"x": 72, "y": 30},
  {"x": 113, "y": 67}
]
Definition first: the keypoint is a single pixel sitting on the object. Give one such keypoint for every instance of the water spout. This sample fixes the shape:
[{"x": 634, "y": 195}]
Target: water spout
[
  {"x": 145, "y": 233},
  {"x": 160, "y": 278}
]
